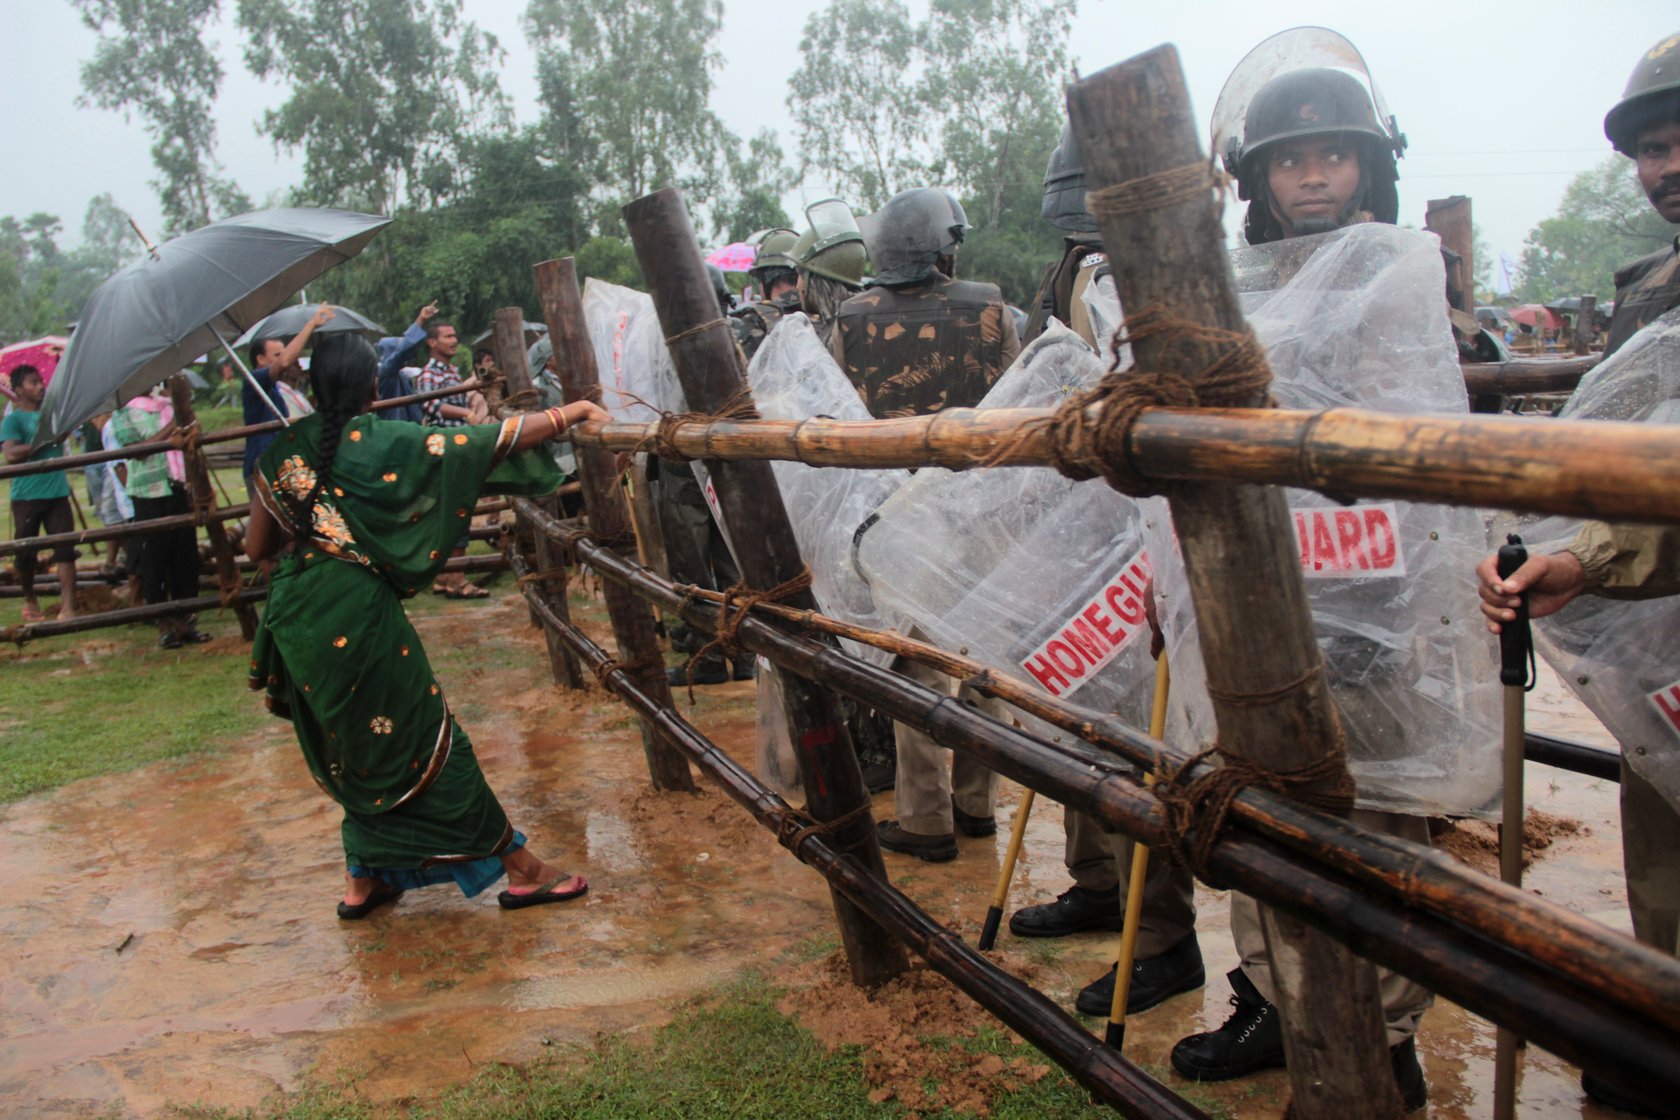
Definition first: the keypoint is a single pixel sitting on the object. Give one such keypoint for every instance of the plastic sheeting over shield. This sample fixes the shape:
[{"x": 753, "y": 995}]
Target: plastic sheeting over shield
[
  {"x": 1620, "y": 657},
  {"x": 794, "y": 377},
  {"x": 1023, "y": 569},
  {"x": 638, "y": 379},
  {"x": 1357, "y": 318}
]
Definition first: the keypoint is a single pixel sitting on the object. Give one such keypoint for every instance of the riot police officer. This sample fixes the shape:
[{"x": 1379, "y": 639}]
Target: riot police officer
[
  {"x": 1645, "y": 126},
  {"x": 1082, "y": 261},
  {"x": 777, "y": 284},
  {"x": 832, "y": 263}
]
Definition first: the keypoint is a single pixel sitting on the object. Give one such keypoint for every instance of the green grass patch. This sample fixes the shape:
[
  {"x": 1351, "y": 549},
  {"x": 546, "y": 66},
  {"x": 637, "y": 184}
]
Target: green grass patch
[
  {"x": 74, "y": 708},
  {"x": 734, "y": 1058}
]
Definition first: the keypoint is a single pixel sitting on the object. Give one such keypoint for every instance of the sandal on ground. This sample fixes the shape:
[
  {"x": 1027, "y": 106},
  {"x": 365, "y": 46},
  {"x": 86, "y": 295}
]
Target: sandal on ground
[
  {"x": 466, "y": 591},
  {"x": 33, "y": 614},
  {"x": 440, "y": 588},
  {"x": 542, "y": 895},
  {"x": 382, "y": 893}
]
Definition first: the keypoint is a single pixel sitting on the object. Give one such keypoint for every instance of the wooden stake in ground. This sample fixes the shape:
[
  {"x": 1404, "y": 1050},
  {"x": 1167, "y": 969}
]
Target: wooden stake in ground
[
  {"x": 204, "y": 506},
  {"x": 609, "y": 514},
  {"x": 509, "y": 344},
  {"x": 713, "y": 376},
  {"x": 1264, "y": 670}
]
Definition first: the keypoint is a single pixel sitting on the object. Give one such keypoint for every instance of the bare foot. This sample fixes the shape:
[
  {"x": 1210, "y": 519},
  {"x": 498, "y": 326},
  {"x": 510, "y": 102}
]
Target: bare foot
[{"x": 66, "y": 613}]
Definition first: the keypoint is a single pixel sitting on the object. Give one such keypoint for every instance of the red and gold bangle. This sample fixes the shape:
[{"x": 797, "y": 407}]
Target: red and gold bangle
[{"x": 557, "y": 417}]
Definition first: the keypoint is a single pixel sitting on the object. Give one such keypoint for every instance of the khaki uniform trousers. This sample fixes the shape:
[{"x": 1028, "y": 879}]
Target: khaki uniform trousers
[
  {"x": 1651, "y": 860},
  {"x": 1100, "y": 860},
  {"x": 929, "y": 775},
  {"x": 1404, "y": 1001}
]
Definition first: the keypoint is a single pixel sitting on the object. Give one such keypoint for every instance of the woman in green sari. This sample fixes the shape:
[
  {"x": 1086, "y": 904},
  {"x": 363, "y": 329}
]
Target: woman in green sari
[{"x": 364, "y": 512}]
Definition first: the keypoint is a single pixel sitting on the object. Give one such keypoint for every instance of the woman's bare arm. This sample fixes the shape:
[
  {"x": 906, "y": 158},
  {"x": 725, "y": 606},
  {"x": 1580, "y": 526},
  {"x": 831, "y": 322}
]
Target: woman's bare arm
[{"x": 264, "y": 537}]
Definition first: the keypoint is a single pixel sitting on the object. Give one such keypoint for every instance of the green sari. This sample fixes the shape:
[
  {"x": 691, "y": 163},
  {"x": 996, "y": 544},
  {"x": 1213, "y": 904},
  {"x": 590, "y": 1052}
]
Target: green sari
[{"x": 337, "y": 655}]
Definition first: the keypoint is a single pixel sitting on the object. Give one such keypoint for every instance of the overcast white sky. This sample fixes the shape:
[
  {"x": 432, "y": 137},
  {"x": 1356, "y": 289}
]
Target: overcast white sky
[{"x": 1502, "y": 102}]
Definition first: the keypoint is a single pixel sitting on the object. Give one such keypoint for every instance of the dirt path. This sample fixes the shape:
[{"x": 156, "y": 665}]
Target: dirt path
[{"x": 169, "y": 934}]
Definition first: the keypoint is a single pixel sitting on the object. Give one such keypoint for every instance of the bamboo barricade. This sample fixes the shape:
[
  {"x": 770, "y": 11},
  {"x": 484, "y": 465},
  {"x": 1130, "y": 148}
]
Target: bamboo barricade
[
  {"x": 1567, "y": 983},
  {"x": 1592, "y": 468},
  {"x": 608, "y": 513},
  {"x": 713, "y": 376},
  {"x": 509, "y": 343},
  {"x": 226, "y": 435},
  {"x": 1102, "y": 1070}
]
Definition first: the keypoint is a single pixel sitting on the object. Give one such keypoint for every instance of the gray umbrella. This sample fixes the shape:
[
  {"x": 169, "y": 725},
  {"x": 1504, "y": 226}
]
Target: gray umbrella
[
  {"x": 532, "y": 331},
  {"x": 188, "y": 295},
  {"x": 288, "y": 321}
]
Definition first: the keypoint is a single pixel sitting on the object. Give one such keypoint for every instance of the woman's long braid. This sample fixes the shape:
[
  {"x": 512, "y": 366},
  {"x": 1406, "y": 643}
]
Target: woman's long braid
[{"x": 343, "y": 383}]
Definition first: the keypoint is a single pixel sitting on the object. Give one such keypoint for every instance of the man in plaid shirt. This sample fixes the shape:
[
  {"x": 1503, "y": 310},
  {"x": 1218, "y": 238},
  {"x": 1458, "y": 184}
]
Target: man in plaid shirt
[{"x": 439, "y": 372}]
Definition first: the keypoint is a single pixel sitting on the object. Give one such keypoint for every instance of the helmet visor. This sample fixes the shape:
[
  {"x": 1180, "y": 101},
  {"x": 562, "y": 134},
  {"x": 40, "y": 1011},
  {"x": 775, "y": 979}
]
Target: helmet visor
[
  {"x": 832, "y": 222},
  {"x": 1299, "y": 48}
]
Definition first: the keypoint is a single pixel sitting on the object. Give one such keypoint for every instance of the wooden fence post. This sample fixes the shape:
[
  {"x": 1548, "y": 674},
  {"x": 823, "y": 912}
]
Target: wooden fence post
[
  {"x": 609, "y": 513},
  {"x": 1584, "y": 324},
  {"x": 203, "y": 493},
  {"x": 1263, "y": 665},
  {"x": 713, "y": 375},
  {"x": 509, "y": 344}
]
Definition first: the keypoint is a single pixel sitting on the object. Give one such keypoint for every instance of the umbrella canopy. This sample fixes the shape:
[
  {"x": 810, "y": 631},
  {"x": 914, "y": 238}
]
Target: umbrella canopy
[
  {"x": 532, "y": 332},
  {"x": 1540, "y": 318},
  {"x": 1568, "y": 304},
  {"x": 177, "y": 302},
  {"x": 1493, "y": 314},
  {"x": 288, "y": 321},
  {"x": 42, "y": 353},
  {"x": 738, "y": 257}
]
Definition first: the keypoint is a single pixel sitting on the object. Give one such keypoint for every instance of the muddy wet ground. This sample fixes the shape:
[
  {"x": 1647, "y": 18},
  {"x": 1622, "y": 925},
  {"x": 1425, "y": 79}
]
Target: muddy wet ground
[{"x": 169, "y": 934}]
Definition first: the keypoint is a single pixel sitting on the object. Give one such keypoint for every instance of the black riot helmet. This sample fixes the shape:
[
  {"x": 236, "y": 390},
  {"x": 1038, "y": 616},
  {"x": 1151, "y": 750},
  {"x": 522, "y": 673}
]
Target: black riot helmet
[
  {"x": 720, "y": 286},
  {"x": 1064, "y": 187},
  {"x": 1652, "y": 96},
  {"x": 1319, "y": 102},
  {"x": 907, "y": 237}
]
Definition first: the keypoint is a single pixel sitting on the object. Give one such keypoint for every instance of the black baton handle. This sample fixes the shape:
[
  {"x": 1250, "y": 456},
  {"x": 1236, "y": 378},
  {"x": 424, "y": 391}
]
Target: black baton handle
[{"x": 1516, "y": 641}]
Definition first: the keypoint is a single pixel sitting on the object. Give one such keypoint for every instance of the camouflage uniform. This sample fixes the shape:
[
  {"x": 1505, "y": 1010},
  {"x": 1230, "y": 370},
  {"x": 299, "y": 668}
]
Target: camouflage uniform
[
  {"x": 754, "y": 322},
  {"x": 1645, "y": 289},
  {"x": 917, "y": 348},
  {"x": 911, "y": 350}
]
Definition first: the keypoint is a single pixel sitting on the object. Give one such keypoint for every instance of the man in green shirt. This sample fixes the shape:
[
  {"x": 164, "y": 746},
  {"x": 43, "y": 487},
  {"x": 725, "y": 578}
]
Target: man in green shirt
[{"x": 40, "y": 502}]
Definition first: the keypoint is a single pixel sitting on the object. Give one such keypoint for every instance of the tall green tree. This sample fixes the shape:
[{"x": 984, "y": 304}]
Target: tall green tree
[
  {"x": 854, "y": 100},
  {"x": 382, "y": 94},
  {"x": 152, "y": 62},
  {"x": 758, "y": 179},
  {"x": 625, "y": 85},
  {"x": 1603, "y": 222}
]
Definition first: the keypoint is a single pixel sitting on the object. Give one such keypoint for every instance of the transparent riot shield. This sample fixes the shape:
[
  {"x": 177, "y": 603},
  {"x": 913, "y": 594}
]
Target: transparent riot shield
[
  {"x": 1356, "y": 318},
  {"x": 1620, "y": 657},
  {"x": 794, "y": 377},
  {"x": 1299, "y": 48},
  {"x": 1023, "y": 569}
]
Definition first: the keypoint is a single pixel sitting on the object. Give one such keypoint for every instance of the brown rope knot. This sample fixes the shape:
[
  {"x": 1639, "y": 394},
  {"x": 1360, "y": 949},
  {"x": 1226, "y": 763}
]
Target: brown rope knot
[
  {"x": 662, "y": 441},
  {"x": 1201, "y": 805},
  {"x": 1157, "y": 191},
  {"x": 547, "y": 575},
  {"x": 633, "y": 667},
  {"x": 1083, "y": 446},
  {"x": 525, "y": 400},
  {"x": 741, "y": 599},
  {"x": 798, "y": 826}
]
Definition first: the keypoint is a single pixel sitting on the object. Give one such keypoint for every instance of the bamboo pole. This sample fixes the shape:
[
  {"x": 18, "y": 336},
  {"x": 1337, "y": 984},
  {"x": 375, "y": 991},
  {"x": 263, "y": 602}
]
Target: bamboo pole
[
  {"x": 204, "y": 507},
  {"x": 509, "y": 344},
  {"x": 1591, "y": 468},
  {"x": 226, "y": 435},
  {"x": 1133, "y": 121},
  {"x": 713, "y": 374},
  {"x": 1571, "y": 985},
  {"x": 1103, "y": 1071},
  {"x": 1528, "y": 375},
  {"x": 608, "y": 513}
]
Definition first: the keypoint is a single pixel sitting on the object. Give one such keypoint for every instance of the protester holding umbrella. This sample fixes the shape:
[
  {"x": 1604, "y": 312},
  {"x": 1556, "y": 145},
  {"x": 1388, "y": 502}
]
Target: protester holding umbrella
[{"x": 363, "y": 513}]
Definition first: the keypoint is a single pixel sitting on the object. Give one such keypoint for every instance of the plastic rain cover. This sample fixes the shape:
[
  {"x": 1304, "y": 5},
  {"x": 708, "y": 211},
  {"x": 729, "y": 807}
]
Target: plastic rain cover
[
  {"x": 794, "y": 377},
  {"x": 638, "y": 380},
  {"x": 1620, "y": 657},
  {"x": 1357, "y": 318},
  {"x": 1023, "y": 569}
]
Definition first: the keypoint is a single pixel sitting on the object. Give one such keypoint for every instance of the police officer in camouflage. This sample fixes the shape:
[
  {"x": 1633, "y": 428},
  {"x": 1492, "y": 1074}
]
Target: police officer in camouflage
[
  {"x": 916, "y": 341},
  {"x": 1169, "y": 958},
  {"x": 832, "y": 264},
  {"x": 776, "y": 280},
  {"x": 1645, "y": 126}
]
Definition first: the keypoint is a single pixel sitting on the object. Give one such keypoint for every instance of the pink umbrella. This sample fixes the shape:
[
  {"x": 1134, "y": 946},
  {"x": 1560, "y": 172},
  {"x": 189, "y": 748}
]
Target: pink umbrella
[
  {"x": 738, "y": 257},
  {"x": 42, "y": 353}
]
